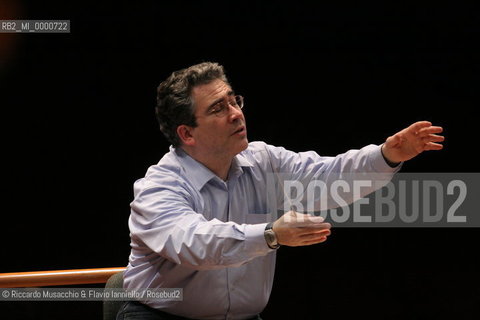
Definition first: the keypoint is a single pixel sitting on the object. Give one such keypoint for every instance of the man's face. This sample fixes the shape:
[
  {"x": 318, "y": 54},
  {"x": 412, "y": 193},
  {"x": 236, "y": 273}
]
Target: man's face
[{"x": 225, "y": 134}]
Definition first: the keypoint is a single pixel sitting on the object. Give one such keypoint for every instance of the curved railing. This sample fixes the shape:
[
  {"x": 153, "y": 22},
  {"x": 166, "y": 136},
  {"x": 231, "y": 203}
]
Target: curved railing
[{"x": 56, "y": 277}]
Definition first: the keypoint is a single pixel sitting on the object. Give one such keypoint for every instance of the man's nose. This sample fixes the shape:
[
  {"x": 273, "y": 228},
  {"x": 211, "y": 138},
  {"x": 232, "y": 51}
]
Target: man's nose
[{"x": 234, "y": 112}]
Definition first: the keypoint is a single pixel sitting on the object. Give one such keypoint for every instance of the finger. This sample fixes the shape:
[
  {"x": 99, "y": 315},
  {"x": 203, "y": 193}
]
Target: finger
[
  {"x": 311, "y": 227},
  {"x": 300, "y": 218},
  {"x": 394, "y": 140},
  {"x": 417, "y": 126},
  {"x": 315, "y": 219},
  {"x": 433, "y": 146},
  {"x": 433, "y": 138},
  {"x": 300, "y": 234},
  {"x": 319, "y": 240},
  {"x": 429, "y": 130},
  {"x": 316, "y": 234},
  {"x": 308, "y": 221}
]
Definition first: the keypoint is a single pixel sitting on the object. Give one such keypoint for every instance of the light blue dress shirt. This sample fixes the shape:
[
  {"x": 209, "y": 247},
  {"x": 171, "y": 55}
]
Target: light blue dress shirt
[{"x": 192, "y": 230}]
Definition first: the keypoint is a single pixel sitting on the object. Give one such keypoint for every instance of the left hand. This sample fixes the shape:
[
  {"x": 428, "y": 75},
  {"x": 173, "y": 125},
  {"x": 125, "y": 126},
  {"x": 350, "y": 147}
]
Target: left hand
[
  {"x": 297, "y": 229},
  {"x": 411, "y": 141}
]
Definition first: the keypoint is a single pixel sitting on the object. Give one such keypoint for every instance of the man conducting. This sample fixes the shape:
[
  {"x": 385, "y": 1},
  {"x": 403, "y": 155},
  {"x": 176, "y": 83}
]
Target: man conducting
[{"x": 201, "y": 219}]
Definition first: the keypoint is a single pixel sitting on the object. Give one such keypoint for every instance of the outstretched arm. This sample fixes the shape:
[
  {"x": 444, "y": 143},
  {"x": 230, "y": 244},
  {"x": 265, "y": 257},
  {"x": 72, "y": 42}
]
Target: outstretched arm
[{"x": 409, "y": 142}]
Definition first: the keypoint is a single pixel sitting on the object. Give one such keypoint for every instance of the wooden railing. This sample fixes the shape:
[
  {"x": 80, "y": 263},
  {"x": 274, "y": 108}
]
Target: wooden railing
[{"x": 56, "y": 277}]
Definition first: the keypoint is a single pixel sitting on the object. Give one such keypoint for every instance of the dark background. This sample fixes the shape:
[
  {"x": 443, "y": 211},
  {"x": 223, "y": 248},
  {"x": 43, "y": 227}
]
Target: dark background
[{"x": 79, "y": 128}]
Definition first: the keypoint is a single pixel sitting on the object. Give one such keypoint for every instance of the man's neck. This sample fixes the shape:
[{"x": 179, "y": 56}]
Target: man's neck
[{"x": 219, "y": 165}]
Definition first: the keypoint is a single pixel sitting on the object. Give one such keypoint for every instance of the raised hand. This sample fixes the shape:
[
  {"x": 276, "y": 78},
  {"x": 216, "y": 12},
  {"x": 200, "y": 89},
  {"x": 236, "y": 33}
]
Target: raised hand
[{"x": 409, "y": 142}]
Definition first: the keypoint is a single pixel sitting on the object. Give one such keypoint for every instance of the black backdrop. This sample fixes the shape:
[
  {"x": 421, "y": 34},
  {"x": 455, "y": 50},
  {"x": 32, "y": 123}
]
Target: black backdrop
[{"x": 79, "y": 129}]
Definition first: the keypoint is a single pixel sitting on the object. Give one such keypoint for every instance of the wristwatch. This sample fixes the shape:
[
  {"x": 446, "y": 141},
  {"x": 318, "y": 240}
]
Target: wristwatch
[{"x": 271, "y": 237}]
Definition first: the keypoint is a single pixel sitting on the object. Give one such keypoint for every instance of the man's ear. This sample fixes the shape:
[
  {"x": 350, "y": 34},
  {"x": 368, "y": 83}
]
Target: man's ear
[{"x": 185, "y": 134}]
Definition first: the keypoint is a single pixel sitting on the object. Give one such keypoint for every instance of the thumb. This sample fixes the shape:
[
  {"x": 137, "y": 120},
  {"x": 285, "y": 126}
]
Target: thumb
[{"x": 392, "y": 140}]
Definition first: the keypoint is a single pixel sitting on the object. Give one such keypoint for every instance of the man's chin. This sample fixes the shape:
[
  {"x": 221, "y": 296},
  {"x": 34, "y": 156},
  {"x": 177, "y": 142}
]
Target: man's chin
[{"x": 242, "y": 145}]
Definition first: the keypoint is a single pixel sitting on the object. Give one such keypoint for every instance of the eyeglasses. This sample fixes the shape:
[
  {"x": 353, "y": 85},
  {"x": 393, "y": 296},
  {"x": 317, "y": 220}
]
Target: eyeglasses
[{"x": 221, "y": 109}]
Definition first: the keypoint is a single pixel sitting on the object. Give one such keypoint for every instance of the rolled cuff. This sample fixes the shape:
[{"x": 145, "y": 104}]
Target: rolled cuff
[
  {"x": 379, "y": 164},
  {"x": 255, "y": 239}
]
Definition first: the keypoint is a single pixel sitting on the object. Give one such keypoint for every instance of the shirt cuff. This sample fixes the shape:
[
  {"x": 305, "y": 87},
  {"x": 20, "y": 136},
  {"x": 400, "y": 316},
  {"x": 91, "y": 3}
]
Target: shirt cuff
[
  {"x": 379, "y": 163},
  {"x": 255, "y": 239}
]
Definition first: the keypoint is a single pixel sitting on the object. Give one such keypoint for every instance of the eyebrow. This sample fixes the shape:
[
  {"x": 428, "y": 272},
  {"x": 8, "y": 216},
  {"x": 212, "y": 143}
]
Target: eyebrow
[{"x": 229, "y": 93}]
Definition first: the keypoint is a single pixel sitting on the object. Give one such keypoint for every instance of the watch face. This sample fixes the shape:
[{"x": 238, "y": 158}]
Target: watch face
[{"x": 271, "y": 237}]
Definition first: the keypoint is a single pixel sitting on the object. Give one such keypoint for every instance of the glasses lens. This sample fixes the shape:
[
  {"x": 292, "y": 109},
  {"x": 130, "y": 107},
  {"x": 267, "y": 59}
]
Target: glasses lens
[
  {"x": 223, "y": 107},
  {"x": 239, "y": 101}
]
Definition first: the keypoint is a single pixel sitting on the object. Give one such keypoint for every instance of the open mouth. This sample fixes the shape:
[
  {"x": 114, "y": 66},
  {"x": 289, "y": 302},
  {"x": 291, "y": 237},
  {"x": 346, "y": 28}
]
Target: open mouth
[{"x": 239, "y": 130}]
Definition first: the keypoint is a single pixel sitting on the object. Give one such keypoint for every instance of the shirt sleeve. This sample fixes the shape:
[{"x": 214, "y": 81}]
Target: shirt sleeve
[
  {"x": 302, "y": 168},
  {"x": 163, "y": 222}
]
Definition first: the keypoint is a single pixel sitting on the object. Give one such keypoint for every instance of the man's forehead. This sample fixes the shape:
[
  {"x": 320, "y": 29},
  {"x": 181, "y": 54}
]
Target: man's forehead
[{"x": 210, "y": 91}]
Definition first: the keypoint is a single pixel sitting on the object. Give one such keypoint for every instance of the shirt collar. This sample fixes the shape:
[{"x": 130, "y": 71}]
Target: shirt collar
[
  {"x": 199, "y": 175},
  {"x": 241, "y": 161}
]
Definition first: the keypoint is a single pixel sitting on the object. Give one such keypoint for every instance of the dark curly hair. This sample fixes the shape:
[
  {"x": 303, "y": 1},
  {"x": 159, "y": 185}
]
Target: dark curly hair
[{"x": 174, "y": 102}]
